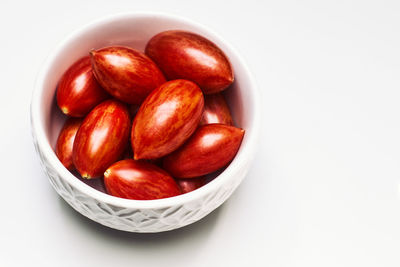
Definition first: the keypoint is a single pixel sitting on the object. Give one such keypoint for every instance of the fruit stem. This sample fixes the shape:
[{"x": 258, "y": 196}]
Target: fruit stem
[
  {"x": 107, "y": 173},
  {"x": 86, "y": 176}
]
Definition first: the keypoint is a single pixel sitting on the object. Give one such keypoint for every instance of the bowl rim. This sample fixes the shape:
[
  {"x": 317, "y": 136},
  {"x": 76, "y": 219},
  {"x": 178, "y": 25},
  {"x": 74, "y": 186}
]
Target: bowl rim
[{"x": 38, "y": 133}]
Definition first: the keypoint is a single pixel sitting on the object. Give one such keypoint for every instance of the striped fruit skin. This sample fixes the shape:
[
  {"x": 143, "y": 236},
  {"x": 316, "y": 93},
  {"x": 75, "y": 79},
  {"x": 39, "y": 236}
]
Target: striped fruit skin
[
  {"x": 65, "y": 142},
  {"x": 78, "y": 91},
  {"x": 210, "y": 148},
  {"x": 216, "y": 110},
  {"x": 125, "y": 73},
  {"x": 166, "y": 119},
  {"x": 186, "y": 55},
  {"x": 139, "y": 180},
  {"x": 101, "y": 139}
]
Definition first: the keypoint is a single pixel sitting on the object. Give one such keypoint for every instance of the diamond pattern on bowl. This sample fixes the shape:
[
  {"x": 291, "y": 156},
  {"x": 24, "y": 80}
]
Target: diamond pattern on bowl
[{"x": 137, "y": 220}]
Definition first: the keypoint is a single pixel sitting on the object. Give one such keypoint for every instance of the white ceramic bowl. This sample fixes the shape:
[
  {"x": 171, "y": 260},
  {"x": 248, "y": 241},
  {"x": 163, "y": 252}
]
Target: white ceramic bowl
[{"x": 135, "y": 29}]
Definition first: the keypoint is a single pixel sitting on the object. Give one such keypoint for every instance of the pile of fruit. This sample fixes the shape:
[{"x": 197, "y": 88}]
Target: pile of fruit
[{"x": 152, "y": 124}]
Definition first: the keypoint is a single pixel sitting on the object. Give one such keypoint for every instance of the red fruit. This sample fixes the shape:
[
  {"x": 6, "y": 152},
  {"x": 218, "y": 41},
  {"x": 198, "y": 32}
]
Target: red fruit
[
  {"x": 168, "y": 116},
  {"x": 210, "y": 148},
  {"x": 188, "y": 185},
  {"x": 125, "y": 73},
  {"x": 101, "y": 139},
  {"x": 65, "y": 142},
  {"x": 216, "y": 110},
  {"x": 185, "y": 55},
  {"x": 139, "y": 180},
  {"x": 78, "y": 91}
]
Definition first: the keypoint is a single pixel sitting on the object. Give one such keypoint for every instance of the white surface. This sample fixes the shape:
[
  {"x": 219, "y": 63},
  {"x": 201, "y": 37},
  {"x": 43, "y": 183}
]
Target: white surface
[{"x": 325, "y": 187}]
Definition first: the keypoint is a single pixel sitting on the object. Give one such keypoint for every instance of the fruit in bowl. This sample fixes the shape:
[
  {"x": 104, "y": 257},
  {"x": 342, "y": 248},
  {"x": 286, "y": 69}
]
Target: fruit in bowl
[
  {"x": 167, "y": 117},
  {"x": 166, "y": 124}
]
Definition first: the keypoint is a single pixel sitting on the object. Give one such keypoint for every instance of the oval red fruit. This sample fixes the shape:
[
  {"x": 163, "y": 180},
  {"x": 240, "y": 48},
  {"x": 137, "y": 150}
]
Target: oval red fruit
[
  {"x": 188, "y": 185},
  {"x": 78, "y": 91},
  {"x": 216, "y": 110},
  {"x": 101, "y": 139},
  {"x": 126, "y": 73},
  {"x": 65, "y": 142},
  {"x": 210, "y": 148},
  {"x": 139, "y": 180},
  {"x": 186, "y": 55},
  {"x": 166, "y": 119}
]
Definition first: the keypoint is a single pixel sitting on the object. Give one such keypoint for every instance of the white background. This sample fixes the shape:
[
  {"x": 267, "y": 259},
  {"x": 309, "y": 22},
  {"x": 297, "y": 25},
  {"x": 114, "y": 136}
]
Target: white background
[{"x": 324, "y": 189}]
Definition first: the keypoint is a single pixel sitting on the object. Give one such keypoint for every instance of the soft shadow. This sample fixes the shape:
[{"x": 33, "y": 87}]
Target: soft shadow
[{"x": 199, "y": 228}]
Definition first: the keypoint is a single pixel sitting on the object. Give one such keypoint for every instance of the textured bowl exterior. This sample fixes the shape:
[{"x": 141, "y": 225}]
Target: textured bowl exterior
[
  {"x": 147, "y": 220},
  {"x": 139, "y": 215}
]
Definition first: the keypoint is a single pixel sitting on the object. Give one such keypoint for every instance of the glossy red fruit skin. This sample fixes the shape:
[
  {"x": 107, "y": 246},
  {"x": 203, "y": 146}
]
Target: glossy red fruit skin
[
  {"x": 216, "y": 110},
  {"x": 125, "y": 73},
  {"x": 65, "y": 142},
  {"x": 186, "y": 55},
  {"x": 139, "y": 180},
  {"x": 166, "y": 119},
  {"x": 210, "y": 148},
  {"x": 78, "y": 91},
  {"x": 191, "y": 184},
  {"x": 101, "y": 139}
]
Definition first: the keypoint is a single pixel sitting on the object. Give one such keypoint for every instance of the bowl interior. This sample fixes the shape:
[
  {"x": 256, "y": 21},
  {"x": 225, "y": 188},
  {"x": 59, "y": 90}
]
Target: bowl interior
[{"x": 135, "y": 30}]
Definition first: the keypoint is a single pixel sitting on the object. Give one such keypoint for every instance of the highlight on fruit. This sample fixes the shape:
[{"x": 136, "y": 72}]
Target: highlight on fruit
[{"x": 151, "y": 124}]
